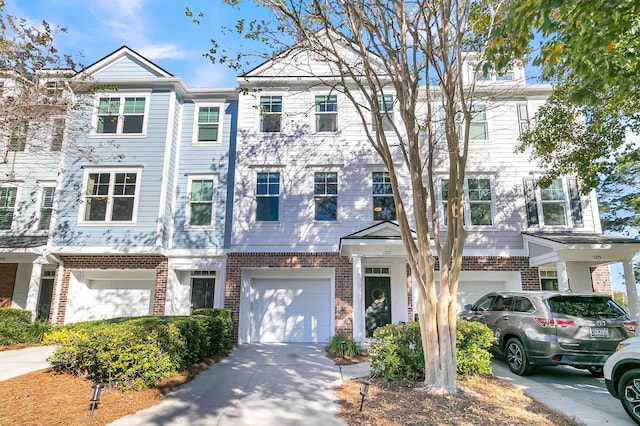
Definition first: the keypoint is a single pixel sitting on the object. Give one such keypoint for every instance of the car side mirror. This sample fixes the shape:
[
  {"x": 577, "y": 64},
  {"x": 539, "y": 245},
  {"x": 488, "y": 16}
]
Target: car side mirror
[{"x": 468, "y": 307}]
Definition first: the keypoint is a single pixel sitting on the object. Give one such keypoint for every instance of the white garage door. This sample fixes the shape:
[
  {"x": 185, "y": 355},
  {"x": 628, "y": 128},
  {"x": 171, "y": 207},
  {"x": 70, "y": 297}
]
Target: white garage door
[
  {"x": 290, "y": 310},
  {"x": 104, "y": 299},
  {"x": 471, "y": 291}
]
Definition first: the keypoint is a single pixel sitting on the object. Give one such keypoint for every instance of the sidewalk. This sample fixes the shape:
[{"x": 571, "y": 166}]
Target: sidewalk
[{"x": 21, "y": 361}]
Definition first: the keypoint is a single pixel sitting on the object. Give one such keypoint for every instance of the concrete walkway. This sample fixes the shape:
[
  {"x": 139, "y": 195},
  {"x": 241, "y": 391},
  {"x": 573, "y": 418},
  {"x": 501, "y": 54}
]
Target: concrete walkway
[
  {"x": 21, "y": 361},
  {"x": 258, "y": 384}
]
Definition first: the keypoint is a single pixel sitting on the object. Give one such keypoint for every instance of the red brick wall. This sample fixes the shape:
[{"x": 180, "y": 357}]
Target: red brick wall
[
  {"x": 7, "y": 281},
  {"x": 343, "y": 280},
  {"x": 157, "y": 263},
  {"x": 601, "y": 279},
  {"x": 528, "y": 275}
]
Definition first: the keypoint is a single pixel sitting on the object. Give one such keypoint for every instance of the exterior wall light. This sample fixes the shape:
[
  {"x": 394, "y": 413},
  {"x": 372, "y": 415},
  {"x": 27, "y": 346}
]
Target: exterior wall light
[
  {"x": 95, "y": 398},
  {"x": 364, "y": 390}
]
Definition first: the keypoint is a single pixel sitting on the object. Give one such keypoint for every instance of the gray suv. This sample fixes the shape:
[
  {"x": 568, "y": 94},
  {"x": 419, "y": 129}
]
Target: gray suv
[{"x": 552, "y": 328}]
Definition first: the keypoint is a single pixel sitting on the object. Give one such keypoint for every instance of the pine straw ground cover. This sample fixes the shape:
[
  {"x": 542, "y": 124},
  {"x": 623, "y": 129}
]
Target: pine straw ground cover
[{"x": 47, "y": 398}]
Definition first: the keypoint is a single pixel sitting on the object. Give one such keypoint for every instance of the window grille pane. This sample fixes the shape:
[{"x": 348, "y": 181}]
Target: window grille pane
[
  {"x": 208, "y": 133},
  {"x": 134, "y": 105},
  {"x": 202, "y": 190},
  {"x": 554, "y": 214},
  {"x": 201, "y": 214},
  {"x": 133, "y": 123},
  {"x": 267, "y": 209},
  {"x": 107, "y": 124},
  {"x": 110, "y": 106},
  {"x": 481, "y": 214},
  {"x": 96, "y": 209},
  {"x": 122, "y": 208}
]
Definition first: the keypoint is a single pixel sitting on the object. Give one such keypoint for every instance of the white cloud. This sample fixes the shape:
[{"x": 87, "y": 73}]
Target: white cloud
[
  {"x": 165, "y": 51},
  {"x": 211, "y": 75}
]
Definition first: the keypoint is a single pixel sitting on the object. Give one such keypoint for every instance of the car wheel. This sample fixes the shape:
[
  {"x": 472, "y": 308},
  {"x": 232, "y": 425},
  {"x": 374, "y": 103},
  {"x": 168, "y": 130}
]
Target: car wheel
[
  {"x": 517, "y": 358},
  {"x": 629, "y": 393},
  {"x": 596, "y": 371}
]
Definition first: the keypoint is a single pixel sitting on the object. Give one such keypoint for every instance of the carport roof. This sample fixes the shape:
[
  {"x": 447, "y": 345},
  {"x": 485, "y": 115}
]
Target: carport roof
[{"x": 583, "y": 238}]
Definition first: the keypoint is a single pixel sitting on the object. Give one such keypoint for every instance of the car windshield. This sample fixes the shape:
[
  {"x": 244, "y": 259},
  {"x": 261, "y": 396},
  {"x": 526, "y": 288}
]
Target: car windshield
[{"x": 585, "y": 306}]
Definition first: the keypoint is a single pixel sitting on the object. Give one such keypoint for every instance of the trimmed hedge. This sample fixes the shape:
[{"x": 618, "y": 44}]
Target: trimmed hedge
[
  {"x": 16, "y": 327},
  {"x": 398, "y": 353},
  {"x": 137, "y": 353}
]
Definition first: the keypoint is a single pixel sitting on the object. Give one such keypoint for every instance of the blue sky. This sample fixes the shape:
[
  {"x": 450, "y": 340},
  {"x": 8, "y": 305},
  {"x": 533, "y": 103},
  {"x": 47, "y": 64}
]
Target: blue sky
[{"x": 157, "y": 29}]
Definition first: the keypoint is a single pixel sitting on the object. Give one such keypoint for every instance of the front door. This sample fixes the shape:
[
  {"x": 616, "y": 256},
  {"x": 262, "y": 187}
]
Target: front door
[
  {"x": 377, "y": 302},
  {"x": 46, "y": 292}
]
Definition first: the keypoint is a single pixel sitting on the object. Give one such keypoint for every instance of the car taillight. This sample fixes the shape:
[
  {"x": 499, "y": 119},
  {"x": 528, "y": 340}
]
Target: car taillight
[
  {"x": 631, "y": 325},
  {"x": 551, "y": 322}
]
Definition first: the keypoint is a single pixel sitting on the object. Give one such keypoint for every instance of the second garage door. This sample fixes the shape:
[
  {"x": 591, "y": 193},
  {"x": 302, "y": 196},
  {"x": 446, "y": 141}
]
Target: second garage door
[{"x": 290, "y": 310}]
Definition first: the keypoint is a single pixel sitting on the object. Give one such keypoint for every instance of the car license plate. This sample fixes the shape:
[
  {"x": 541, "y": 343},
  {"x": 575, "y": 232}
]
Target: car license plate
[{"x": 599, "y": 332}]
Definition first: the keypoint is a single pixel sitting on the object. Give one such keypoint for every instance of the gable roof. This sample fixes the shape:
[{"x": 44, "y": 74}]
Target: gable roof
[
  {"x": 383, "y": 238},
  {"x": 120, "y": 54}
]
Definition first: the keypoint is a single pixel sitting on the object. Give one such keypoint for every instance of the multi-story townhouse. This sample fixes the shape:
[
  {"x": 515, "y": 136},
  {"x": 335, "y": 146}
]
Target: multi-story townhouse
[
  {"x": 142, "y": 205},
  {"x": 314, "y": 248}
]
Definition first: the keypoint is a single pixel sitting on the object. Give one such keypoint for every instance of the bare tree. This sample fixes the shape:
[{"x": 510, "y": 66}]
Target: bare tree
[
  {"x": 416, "y": 52},
  {"x": 40, "y": 87}
]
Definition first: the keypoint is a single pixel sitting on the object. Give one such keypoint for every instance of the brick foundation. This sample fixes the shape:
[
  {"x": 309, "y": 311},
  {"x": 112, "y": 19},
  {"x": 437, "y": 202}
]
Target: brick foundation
[
  {"x": 7, "y": 282},
  {"x": 124, "y": 262}
]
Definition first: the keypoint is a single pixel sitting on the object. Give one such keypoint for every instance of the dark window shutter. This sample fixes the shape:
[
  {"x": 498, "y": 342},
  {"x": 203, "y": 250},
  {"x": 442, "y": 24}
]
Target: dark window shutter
[
  {"x": 576, "y": 205},
  {"x": 532, "y": 206}
]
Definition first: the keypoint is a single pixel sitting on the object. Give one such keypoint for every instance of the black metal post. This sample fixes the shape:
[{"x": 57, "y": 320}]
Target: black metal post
[{"x": 95, "y": 398}]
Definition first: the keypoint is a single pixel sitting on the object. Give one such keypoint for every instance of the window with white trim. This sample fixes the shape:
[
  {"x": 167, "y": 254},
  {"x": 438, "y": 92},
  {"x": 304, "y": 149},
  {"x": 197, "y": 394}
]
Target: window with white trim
[
  {"x": 8, "y": 195},
  {"x": 46, "y": 207},
  {"x": 557, "y": 205},
  {"x": 268, "y": 196},
  {"x": 208, "y": 124},
  {"x": 478, "y": 127},
  {"x": 523, "y": 117},
  {"x": 384, "y": 208},
  {"x": 479, "y": 204},
  {"x": 57, "y": 134},
  {"x": 326, "y": 113},
  {"x": 270, "y": 114},
  {"x": 203, "y": 284},
  {"x": 201, "y": 201},
  {"x": 110, "y": 196},
  {"x": 121, "y": 115},
  {"x": 325, "y": 195},
  {"x": 385, "y": 106},
  {"x": 18, "y": 138}
]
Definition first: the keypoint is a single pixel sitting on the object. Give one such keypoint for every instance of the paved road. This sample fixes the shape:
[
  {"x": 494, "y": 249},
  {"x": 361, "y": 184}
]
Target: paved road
[{"x": 574, "y": 392}]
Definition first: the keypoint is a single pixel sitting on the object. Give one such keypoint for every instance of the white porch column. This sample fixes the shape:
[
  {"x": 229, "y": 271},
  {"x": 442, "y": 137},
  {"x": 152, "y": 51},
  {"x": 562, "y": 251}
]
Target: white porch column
[
  {"x": 358, "y": 299},
  {"x": 632, "y": 292},
  {"x": 563, "y": 277},
  {"x": 34, "y": 288}
]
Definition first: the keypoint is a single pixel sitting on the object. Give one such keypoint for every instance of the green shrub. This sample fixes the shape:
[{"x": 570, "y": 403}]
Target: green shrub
[
  {"x": 16, "y": 327},
  {"x": 398, "y": 354},
  {"x": 351, "y": 348},
  {"x": 136, "y": 353},
  {"x": 214, "y": 312},
  {"x": 473, "y": 340}
]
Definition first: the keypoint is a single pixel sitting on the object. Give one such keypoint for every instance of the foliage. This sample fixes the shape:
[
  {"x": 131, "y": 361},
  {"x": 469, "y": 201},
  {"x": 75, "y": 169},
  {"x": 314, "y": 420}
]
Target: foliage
[
  {"x": 16, "y": 327},
  {"x": 591, "y": 50},
  {"x": 351, "y": 349},
  {"x": 473, "y": 340},
  {"x": 619, "y": 193},
  {"x": 214, "y": 312},
  {"x": 397, "y": 351},
  {"x": 136, "y": 353}
]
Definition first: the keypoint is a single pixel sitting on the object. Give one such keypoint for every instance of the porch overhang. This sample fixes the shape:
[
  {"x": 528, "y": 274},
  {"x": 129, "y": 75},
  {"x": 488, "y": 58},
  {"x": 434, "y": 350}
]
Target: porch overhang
[
  {"x": 22, "y": 248},
  {"x": 593, "y": 248},
  {"x": 380, "y": 240}
]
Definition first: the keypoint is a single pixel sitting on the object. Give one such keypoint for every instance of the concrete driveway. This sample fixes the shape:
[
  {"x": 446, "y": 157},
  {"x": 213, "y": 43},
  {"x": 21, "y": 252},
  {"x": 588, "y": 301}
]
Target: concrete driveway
[
  {"x": 258, "y": 384},
  {"x": 573, "y": 392}
]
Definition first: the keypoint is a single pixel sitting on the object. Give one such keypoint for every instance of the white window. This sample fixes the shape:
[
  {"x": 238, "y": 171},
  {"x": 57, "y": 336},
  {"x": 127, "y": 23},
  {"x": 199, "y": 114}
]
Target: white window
[
  {"x": 201, "y": 199},
  {"x": 8, "y": 196},
  {"x": 270, "y": 114},
  {"x": 553, "y": 204},
  {"x": 479, "y": 204},
  {"x": 268, "y": 196},
  {"x": 121, "y": 115},
  {"x": 57, "y": 134},
  {"x": 18, "y": 138},
  {"x": 208, "y": 123},
  {"x": 326, "y": 113},
  {"x": 523, "y": 117},
  {"x": 325, "y": 195},
  {"x": 203, "y": 284},
  {"x": 478, "y": 127},
  {"x": 385, "y": 106},
  {"x": 384, "y": 208},
  {"x": 110, "y": 196},
  {"x": 46, "y": 207},
  {"x": 557, "y": 205}
]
